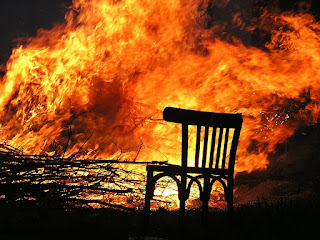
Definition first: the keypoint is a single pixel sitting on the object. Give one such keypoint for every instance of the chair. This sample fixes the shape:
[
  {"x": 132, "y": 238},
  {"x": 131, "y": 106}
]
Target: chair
[{"x": 219, "y": 143}]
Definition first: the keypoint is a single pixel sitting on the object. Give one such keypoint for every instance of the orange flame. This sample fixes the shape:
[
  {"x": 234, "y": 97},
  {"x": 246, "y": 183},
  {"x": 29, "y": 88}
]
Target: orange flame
[{"x": 115, "y": 65}]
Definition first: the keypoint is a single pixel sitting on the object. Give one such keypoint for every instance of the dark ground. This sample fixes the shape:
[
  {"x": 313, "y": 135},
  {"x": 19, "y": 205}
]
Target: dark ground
[{"x": 297, "y": 219}]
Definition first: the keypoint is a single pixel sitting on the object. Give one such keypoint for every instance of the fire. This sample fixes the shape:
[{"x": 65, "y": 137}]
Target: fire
[{"x": 113, "y": 66}]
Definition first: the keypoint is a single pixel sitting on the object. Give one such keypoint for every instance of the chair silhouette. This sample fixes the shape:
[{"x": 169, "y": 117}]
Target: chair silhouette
[{"x": 221, "y": 133}]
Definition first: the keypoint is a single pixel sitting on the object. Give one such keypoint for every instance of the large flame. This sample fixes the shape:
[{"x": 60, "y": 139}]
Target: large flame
[{"x": 114, "y": 66}]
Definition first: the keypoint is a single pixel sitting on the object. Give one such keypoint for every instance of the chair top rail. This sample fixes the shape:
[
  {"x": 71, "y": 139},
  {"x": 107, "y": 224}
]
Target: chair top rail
[{"x": 192, "y": 117}]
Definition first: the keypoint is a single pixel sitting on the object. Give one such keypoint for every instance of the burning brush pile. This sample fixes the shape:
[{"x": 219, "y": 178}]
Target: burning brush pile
[
  {"x": 68, "y": 182},
  {"x": 58, "y": 181},
  {"x": 108, "y": 71}
]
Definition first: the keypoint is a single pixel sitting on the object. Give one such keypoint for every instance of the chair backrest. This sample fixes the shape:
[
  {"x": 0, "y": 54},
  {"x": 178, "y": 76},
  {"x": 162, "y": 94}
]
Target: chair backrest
[{"x": 221, "y": 135}]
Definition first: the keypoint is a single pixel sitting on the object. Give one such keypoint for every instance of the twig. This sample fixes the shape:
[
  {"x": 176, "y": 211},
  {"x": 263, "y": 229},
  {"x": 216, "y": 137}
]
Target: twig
[
  {"x": 140, "y": 146},
  {"x": 138, "y": 151},
  {"x": 75, "y": 154},
  {"x": 157, "y": 151},
  {"x": 121, "y": 150},
  {"x": 66, "y": 146},
  {"x": 69, "y": 137},
  {"x": 102, "y": 203}
]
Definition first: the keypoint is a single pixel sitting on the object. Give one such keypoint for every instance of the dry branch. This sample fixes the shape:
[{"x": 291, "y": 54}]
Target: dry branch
[{"x": 42, "y": 180}]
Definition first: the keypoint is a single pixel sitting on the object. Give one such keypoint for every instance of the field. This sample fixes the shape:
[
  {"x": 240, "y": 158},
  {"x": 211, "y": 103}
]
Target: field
[{"x": 264, "y": 219}]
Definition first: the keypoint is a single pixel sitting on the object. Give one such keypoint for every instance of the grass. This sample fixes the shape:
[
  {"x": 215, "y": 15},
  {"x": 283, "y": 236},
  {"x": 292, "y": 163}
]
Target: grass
[{"x": 284, "y": 219}]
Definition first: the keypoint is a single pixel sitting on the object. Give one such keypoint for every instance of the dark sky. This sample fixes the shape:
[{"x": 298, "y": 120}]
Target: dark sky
[{"x": 21, "y": 18}]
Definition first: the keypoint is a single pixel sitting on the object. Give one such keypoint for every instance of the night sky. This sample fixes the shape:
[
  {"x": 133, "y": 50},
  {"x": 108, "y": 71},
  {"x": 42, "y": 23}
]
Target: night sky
[{"x": 22, "y": 18}]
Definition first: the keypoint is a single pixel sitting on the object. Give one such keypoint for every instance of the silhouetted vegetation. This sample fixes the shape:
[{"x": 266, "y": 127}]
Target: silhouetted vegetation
[{"x": 265, "y": 219}]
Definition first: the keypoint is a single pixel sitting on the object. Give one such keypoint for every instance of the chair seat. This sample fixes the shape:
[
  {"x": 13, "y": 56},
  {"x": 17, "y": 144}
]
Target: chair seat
[{"x": 178, "y": 170}]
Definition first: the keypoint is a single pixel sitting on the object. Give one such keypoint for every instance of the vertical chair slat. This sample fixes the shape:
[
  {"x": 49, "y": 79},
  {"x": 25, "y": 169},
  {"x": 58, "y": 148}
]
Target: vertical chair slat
[
  {"x": 233, "y": 149},
  {"x": 213, "y": 141},
  {"x": 184, "y": 154},
  {"x": 205, "y": 146},
  {"x": 226, "y": 138},
  {"x": 219, "y": 147},
  {"x": 197, "y": 146}
]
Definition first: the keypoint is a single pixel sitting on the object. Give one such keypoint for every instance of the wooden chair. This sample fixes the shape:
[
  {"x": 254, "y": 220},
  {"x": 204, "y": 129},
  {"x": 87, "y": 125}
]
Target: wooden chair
[{"x": 223, "y": 131}]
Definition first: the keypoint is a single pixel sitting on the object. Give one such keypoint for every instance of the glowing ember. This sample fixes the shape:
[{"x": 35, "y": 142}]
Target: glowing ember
[{"x": 114, "y": 66}]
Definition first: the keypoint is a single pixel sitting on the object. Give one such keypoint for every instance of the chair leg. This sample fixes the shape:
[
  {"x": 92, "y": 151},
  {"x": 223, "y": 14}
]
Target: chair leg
[
  {"x": 182, "y": 214},
  {"x": 148, "y": 197},
  {"x": 205, "y": 209},
  {"x": 147, "y": 213},
  {"x": 230, "y": 204},
  {"x": 229, "y": 200},
  {"x": 205, "y": 200},
  {"x": 182, "y": 198}
]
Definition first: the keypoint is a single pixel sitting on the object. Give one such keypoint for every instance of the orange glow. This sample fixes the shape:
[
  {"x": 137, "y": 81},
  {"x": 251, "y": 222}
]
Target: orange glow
[{"x": 114, "y": 66}]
